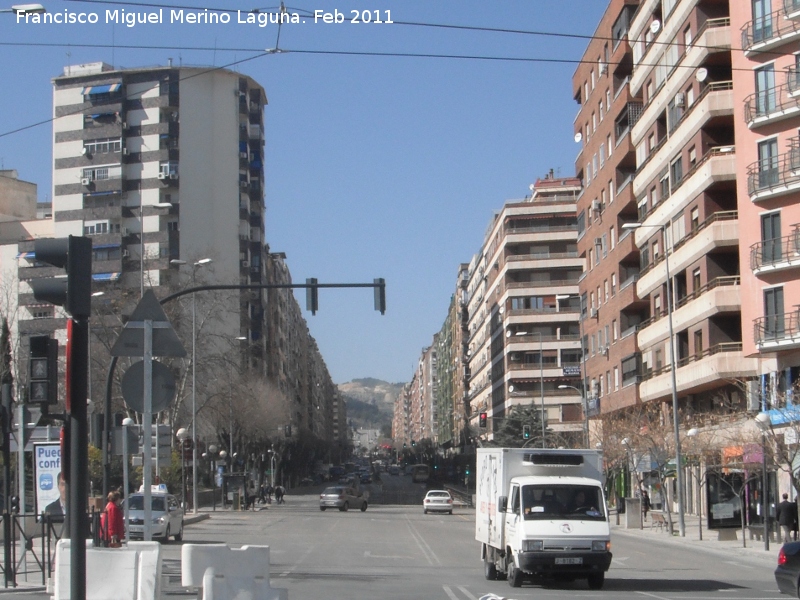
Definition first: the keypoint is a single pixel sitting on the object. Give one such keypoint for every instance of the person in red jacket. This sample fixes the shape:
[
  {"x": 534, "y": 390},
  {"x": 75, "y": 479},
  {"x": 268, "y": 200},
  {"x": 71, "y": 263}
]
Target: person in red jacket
[{"x": 113, "y": 524}]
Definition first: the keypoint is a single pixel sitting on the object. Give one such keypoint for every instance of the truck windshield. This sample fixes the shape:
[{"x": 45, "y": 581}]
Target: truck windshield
[{"x": 563, "y": 501}]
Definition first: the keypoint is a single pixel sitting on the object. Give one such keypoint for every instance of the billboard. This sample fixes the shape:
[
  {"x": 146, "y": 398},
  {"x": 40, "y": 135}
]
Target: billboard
[{"x": 47, "y": 466}]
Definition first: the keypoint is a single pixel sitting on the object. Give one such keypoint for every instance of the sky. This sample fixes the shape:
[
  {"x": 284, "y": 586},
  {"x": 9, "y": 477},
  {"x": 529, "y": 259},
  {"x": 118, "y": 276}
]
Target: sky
[{"x": 377, "y": 164}]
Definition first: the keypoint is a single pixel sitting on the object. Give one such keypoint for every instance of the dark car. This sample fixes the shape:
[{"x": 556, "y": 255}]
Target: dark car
[{"x": 787, "y": 575}]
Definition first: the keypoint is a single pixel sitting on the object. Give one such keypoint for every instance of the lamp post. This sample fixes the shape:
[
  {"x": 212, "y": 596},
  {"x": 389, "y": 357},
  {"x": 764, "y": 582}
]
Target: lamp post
[
  {"x": 673, "y": 368},
  {"x": 765, "y": 425},
  {"x": 199, "y": 263},
  {"x": 584, "y": 406},
  {"x": 182, "y": 434}
]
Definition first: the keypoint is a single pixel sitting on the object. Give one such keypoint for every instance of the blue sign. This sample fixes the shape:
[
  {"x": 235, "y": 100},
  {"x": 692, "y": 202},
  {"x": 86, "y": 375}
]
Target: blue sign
[{"x": 572, "y": 371}]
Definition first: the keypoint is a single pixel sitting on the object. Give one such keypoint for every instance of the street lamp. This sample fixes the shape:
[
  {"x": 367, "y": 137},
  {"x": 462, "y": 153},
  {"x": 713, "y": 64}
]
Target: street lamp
[
  {"x": 673, "y": 369},
  {"x": 24, "y": 8},
  {"x": 182, "y": 434},
  {"x": 195, "y": 265},
  {"x": 765, "y": 425}
]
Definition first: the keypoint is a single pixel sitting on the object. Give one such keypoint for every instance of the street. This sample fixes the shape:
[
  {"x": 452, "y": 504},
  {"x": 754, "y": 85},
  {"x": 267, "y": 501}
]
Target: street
[{"x": 396, "y": 552}]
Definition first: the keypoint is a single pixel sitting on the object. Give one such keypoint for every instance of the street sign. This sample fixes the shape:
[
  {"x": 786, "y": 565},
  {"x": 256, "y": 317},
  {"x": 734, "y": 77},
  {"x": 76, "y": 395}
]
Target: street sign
[
  {"x": 131, "y": 340},
  {"x": 572, "y": 371},
  {"x": 164, "y": 386}
]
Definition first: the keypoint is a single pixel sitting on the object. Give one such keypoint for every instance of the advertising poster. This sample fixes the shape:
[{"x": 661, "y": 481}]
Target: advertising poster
[{"x": 47, "y": 466}]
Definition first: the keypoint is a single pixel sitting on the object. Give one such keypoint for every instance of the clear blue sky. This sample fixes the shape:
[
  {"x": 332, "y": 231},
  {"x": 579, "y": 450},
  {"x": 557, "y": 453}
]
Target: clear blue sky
[{"x": 375, "y": 166}]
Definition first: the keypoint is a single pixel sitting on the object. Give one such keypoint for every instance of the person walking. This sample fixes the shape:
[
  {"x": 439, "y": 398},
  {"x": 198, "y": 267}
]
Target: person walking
[
  {"x": 279, "y": 491},
  {"x": 787, "y": 517},
  {"x": 645, "y": 503}
]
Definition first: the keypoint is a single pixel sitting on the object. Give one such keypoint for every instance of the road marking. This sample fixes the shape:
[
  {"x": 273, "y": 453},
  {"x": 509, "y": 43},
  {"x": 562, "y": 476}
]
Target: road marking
[
  {"x": 653, "y": 595},
  {"x": 293, "y": 568},
  {"x": 426, "y": 550},
  {"x": 466, "y": 593},
  {"x": 369, "y": 554},
  {"x": 449, "y": 593}
]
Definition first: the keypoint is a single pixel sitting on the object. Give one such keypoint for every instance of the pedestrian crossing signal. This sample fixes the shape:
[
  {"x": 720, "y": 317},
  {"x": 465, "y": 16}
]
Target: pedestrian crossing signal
[{"x": 526, "y": 432}]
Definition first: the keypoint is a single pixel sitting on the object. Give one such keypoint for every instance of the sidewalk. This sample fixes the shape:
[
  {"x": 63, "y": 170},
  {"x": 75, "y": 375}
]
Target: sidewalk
[{"x": 710, "y": 542}]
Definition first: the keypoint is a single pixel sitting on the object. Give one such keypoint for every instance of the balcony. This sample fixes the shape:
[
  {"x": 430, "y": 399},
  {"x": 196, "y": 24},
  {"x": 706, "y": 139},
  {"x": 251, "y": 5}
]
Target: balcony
[
  {"x": 777, "y": 254},
  {"x": 771, "y": 105},
  {"x": 771, "y": 177},
  {"x": 721, "y": 229},
  {"x": 721, "y": 295},
  {"x": 777, "y": 332},
  {"x": 704, "y": 370},
  {"x": 771, "y": 31},
  {"x": 791, "y": 8}
]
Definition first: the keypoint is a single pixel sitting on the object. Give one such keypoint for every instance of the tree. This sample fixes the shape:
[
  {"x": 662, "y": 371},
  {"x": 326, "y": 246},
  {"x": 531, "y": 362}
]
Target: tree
[
  {"x": 509, "y": 432},
  {"x": 6, "y": 372}
]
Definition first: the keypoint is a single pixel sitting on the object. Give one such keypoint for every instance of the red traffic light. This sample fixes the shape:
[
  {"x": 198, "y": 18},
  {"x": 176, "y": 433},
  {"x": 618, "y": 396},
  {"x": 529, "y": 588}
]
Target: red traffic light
[{"x": 482, "y": 419}]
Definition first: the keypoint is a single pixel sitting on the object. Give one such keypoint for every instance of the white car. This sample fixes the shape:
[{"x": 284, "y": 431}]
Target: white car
[
  {"x": 438, "y": 501},
  {"x": 166, "y": 514}
]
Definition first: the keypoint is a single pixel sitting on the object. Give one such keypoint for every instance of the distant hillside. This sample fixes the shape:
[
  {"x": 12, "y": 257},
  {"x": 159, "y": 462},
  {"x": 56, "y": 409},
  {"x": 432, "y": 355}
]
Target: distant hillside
[{"x": 370, "y": 402}]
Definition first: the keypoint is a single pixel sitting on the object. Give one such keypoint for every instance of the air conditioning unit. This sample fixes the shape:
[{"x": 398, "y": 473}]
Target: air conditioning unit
[
  {"x": 125, "y": 254},
  {"x": 126, "y": 231},
  {"x": 125, "y": 152},
  {"x": 245, "y": 263},
  {"x": 679, "y": 99},
  {"x": 124, "y": 125},
  {"x": 593, "y": 313},
  {"x": 242, "y": 154},
  {"x": 86, "y": 181},
  {"x": 596, "y": 205},
  {"x": 604, "y": 350},
  {"x": 162, "y": 175},
  {"x": 173, "y": 175}
]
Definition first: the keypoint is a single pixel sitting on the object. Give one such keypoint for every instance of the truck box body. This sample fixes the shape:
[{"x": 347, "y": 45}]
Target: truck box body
[{"x": 542, "y": 512}]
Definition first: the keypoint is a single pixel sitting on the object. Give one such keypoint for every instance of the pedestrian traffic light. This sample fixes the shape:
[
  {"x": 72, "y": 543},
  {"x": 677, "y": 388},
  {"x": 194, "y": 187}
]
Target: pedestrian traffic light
[
  {"x": 482, "y": 419},
  {"x": 74, "y": 255},
  {"x": 43, "y": 370},
  {"x": 526, "y": 432}
]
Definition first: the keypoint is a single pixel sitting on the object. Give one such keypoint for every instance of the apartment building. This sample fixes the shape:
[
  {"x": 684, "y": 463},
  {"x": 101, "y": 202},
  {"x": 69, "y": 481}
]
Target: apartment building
[
  {"x": 163, "y": 168},
  {"x": 611, "y": 309},
  {"x": 522, "y": 299},
  {"x": 688, "y": 220},
  {"x": 766, "y": 109}
]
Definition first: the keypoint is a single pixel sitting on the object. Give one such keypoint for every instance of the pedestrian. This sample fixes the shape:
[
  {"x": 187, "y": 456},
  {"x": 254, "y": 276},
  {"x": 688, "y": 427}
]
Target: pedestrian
[
  {"x": 269, "y": 494},
  {"x": 787, "y": 517},
  {"x": 645, "y": 503},
  {"x": 111, "y": 522},
  {"x": 279, "y": 491}
]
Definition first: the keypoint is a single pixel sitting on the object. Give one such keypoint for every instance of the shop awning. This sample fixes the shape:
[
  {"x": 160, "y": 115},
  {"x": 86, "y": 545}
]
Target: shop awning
[
  {"x": 30, "y": 254},
  {"x": 102, "y": 246},
  {"x": 105, "y": 276}
]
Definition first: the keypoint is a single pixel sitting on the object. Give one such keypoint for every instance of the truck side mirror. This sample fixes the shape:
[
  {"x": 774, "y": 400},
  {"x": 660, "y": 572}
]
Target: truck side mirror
[{"x": 502, "y": 503}]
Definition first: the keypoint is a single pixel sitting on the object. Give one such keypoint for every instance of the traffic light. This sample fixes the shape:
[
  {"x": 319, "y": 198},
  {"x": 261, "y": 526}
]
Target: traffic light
[
  {"x": 482, "y": 419},
  {"x": 287, "y": 430},
  {"x": 526, "y": 432},
  {"x": 380, "y": 294},
  {"x": 43, "y": 370},
  {"x": 74, "y": 255},
  {"x": 312, "y": 295}
]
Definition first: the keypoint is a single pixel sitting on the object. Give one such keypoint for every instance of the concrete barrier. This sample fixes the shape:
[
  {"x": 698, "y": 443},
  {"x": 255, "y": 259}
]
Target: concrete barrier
[
  {"x": 132, "y": 572},
  {"x": 225, "y": 573}
]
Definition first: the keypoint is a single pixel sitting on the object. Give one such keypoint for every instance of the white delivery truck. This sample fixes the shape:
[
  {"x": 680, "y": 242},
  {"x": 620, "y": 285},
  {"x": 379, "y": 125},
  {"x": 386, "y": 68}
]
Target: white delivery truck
[{"x": 542, "y": 513}]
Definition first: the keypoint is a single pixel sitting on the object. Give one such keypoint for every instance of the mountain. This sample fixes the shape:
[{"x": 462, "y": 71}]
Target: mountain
[{"x": 370, "y": 402}]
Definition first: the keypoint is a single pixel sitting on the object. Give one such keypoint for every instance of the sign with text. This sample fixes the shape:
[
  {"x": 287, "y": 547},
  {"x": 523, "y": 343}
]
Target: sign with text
[{"x": 47, "y": 466}]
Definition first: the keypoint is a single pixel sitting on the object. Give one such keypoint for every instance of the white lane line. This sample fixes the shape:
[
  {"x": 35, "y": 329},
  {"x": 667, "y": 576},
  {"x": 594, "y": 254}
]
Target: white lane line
[
  {"x": 426, "y": 550},
  {"x": 653, "y": 595},
  {"x": 449, "y": 593},
  {"x": 466, "y": 593}
]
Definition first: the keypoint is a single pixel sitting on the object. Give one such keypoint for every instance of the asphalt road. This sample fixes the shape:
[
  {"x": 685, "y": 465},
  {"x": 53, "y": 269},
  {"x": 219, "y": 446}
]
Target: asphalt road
[{"x": 397, "y": 552}]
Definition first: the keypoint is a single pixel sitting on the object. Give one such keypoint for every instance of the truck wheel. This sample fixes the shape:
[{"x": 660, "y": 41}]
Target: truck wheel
[
  {"x": 489, "y": 569},
  {"x": 513, "y": 574},
  {"x": 596, "y": 581}
]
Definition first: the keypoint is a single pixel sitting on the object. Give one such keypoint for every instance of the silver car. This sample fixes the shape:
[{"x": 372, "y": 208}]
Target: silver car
[
  {"x": 438, "y": 501},
  {"x": 342, "y": 497},
  {"x": 166, "y": 514}
]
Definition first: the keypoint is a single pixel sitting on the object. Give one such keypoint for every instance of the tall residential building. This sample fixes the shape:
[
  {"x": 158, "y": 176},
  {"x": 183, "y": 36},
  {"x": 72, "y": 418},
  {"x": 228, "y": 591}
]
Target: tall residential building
[
  {"x": 610, "y": 306},
  {"x": 766, "y": 108},
  {"x": 522, "y": 297}
]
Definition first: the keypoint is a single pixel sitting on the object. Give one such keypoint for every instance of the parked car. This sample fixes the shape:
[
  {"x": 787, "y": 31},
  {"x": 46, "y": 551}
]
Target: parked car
[
  {"x": 166, "y": 514},
  {"x": 787, "y": 575},
  {"x": 394, "y": 470},
  {"x": 438, "y": 501},
  {"x": 343, "y": 498},
  {"x": 366, "y": 477}
]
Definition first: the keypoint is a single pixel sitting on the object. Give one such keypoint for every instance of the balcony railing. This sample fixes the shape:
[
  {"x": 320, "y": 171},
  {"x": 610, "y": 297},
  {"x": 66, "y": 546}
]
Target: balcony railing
[
  {"x": 778, "y": 172},
  {"x": 776, "y": 251},
  {"x": 777, "y": 328},
  {"x": 710, "y": 351},
  {"x": 541, "y": 256},
  {"x": 723, "y": 215},
  {"x": 767, "y": 28},
  {"x": 713, "y": 284},
  {"x": 791, "y": 8},
  {"x": 769, "y": 102}
]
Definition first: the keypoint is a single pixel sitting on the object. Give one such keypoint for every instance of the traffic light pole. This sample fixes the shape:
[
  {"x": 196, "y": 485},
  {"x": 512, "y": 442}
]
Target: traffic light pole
[
  {"x": 379, "y": 286},
  {"x": 8, "y": 567}
]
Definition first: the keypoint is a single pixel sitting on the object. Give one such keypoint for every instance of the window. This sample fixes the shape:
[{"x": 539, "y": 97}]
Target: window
[
  {"x": 692, "y": 157},
  {"x": 593, "y": 79},
  {"x": 770, "y": 237},
  {"x": 616, "y": 378},
  {"x": 610, "y": 145},
  {"x": 594, "y": 122},
  {"x": 696, "y": 279},
  {"x": 96, "y": 228},
  {"x": 605, "y": 245},
  {"x": 655, "y": 251},
  {"x": 610, "y": 184},
  {"x": 613, "y": 284},
  {"x": 600, "y": 110},
  {"x": 172, "y": 226},
  {"x": 766, "y": 95},
  {"x": 102, "y": 146},
  {"x": 613, "y": 235},
  {"x": 658, "y": 361},
  {"x": 698, "y": 343},
  {"x": 602, "y": 158},
  {"x": 695, "y": 218},
  {"x": 605, "y": 288},
  {"x": 768, "y": 164},
  {"x": 608, "y": 100},
  {"x": 676, "y": 171},
  {"x": 762, "y": 20},
  {"x": 614, "y": 330},
  {"x": 657, "y": 305},
  {"x": 687, "y": 37},
  {"x": 773, "y": 313}
]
